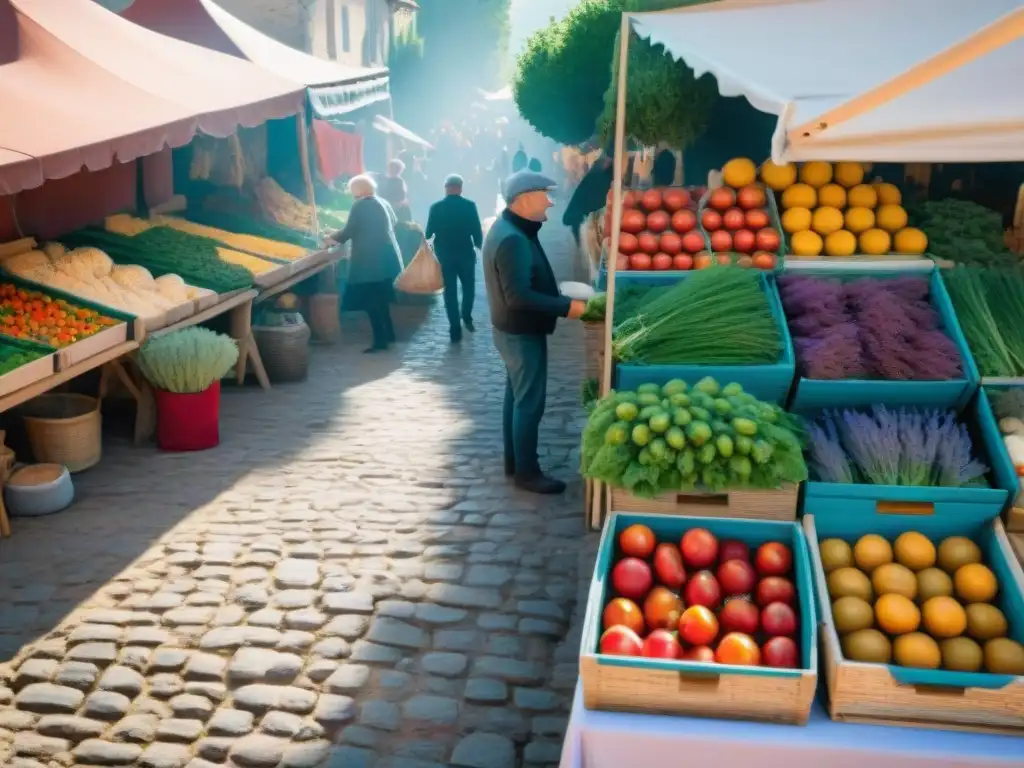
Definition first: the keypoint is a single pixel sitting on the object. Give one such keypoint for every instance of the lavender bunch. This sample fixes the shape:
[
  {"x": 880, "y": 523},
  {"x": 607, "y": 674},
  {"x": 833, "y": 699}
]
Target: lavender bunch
[
  {"x": 827, "y": 459},
  {"x": 916, "y": 455},
  {"x": 909, "y": 289},
  {"x": 874, "y": 446},
  {"x": 955, "y": 464},
  {"x": 833, "y": 354}
]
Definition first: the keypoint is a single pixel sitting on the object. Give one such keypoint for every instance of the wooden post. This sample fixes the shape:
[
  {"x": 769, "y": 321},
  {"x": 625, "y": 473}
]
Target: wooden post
[
  {"x": 599, "y": 492},
  {"x": 307, "y": 176}
]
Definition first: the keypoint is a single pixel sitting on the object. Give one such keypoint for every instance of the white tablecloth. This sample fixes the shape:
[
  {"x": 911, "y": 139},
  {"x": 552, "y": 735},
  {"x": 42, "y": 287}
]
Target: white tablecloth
[{"x": 618, "y": 740}]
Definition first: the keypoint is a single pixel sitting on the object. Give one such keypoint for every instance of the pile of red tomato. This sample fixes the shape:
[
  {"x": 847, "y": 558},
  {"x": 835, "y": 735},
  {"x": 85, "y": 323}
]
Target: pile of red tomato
[
  {"x": 702, "y": 599},
  {"x": 660, "y": 229}
]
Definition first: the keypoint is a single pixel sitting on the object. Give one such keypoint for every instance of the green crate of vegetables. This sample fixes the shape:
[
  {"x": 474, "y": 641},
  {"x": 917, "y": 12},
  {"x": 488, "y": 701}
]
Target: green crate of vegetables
[{"x": 23, "y": 363}]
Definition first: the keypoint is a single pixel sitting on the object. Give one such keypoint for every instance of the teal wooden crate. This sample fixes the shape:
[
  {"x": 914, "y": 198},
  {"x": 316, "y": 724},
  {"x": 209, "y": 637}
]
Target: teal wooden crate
[
  {"x": 698, "y": 688},
  {"x": 1003, "y": 471},
  {"x": 770, "y": 383},
  {"x": 813, "y": 394},
  {"x": 857, "y": 500},
  {"x": 929, "y": 697}
]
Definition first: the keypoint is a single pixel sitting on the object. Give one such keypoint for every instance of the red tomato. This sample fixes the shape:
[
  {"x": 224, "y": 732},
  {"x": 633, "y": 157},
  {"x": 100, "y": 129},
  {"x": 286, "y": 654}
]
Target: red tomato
[
  {"x": 648, "y": 242},
  {"x": 781, "y": 652},
  {"x": 734, "y": 219},
  {"x": 693, "y": 242},
  {"x": 631, "y": 577},
  {"x": 698, "y": 626},
  {"x": 682, "y": 261},
  {"x": 670, "y": 243},
  {"x": 768, "y": 240},
  {"x": 622, "y": 262},
  {"x": 658, "y": 221},
  {"x": 633, "y": 221},
  {"x": 628, "y": 199},
  {"x": 640, "y": 262},
  {"x": 621, "y": 641},
  {"x": 743, "y": 241},
  {"x": 721, "y": 241},
  {"x": 662, "y": 608},
  {"x": 764, "y": 260},
  {"x": 745, "y": 261},
  {"x": 757, "y": 219},
  {"x": 623, "y": 612},
  {"x": 773, "y": 559},
  {"x": 662, "y": 644},
  {"x": 722, "y": 199},
  {"x": 751, "y": 196},
  {"x": 725, "y": 259},
  {"x": 628, "y": 243},
  {"x": 711, "y": 220},
  {"x": 702, "y": 260},
  {"x": 683, "y": 221},
  {"x": 662, "y": 261},
  {"x": 637, "y": 541},
  {"x": 700, "y": 653},
  {"x": 652, "y": 200},
  {"x": 675, "y": 199}
]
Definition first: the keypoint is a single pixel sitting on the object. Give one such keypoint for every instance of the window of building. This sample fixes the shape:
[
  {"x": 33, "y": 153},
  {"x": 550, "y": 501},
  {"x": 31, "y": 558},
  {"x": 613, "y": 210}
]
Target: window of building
[
  {"x": 332, "y": 43},
  {"x": 344, "y": 30}
]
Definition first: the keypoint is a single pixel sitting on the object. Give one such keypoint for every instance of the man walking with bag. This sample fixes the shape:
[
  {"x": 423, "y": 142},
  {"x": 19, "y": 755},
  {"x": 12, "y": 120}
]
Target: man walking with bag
[
  {"x": 525, "y": 304},
  {"x": 454, "y": 223}
]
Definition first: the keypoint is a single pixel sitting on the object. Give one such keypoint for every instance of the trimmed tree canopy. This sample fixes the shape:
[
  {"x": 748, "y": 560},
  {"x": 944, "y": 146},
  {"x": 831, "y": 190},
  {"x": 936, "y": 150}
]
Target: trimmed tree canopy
[{"x": 564, "y": 83}]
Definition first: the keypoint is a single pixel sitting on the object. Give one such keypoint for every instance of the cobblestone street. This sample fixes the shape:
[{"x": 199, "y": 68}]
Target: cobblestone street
[{"x": 348, "y": 580}]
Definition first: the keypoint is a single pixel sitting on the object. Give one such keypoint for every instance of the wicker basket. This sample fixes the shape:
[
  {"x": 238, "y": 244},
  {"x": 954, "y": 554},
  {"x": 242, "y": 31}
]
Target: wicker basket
[
  {"x": 325, "y": 317},
  {"x": 64, "y": 428},
  {"x": 593, "y": 350},
  {"x": 284, "y": 350}
]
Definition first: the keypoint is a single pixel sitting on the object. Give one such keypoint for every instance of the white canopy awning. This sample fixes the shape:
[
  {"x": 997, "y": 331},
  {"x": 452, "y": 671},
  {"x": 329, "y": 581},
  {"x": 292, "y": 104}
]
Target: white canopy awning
[
  {"x": 385, "y": 125},
  {"x": 867, "y": 80}
]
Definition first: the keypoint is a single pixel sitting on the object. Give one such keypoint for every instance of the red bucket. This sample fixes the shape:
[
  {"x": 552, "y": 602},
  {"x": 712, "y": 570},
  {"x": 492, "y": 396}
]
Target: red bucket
[{"x": 189, "y": 422}]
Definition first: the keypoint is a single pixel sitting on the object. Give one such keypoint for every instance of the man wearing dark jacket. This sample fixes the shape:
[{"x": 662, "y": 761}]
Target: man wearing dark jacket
[
  {"x": 591, "y": 194},
  {"x": 454, "y": 223},
  {"x": 525, "y": 304}
]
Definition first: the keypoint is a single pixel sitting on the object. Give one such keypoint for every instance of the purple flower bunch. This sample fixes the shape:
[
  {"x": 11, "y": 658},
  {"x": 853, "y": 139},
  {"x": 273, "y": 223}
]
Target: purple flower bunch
[
  {"x": 884, "y": 446},
  {"x": 867, "y": 328}
]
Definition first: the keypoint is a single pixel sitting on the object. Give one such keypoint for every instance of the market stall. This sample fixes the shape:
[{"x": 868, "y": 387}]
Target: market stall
[{"x": 886, "y": 590}]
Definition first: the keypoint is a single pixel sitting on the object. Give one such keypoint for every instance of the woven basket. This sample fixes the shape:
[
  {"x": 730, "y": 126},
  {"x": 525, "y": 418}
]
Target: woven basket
[
  {"x": 325, "y": 317},
  {"x": 284, "y": 351},
  {"x": 593, "y": 350},
  {"x": 64, "y": 428}
]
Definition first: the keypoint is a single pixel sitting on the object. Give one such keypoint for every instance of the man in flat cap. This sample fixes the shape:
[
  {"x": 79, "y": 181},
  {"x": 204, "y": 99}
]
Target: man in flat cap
[
  {"x": 525, "y": 304},
  {"x": 454, "y": 223}
]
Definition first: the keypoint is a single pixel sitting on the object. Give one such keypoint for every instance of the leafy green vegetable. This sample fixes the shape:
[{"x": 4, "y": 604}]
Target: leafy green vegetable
[
  {"x": 12, "y": 358},
  {"x": 990, "y": 306},
  {"x": 962, "y": 232},
  {"x": 187, "y": 361}
]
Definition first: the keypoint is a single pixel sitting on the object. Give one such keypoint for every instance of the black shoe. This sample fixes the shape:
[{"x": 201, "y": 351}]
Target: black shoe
[
  {"x": 469, "y": 325},
  {"x": 510, "y": 467},
  {"x": 375, "y": 349},
  {"x": 541, "y": 484},
  {"x": 455, "y": 336}
]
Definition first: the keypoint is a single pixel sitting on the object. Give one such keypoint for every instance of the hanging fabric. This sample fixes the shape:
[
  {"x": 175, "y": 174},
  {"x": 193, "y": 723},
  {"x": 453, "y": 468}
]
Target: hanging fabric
[{"x": 338, "y": 153}]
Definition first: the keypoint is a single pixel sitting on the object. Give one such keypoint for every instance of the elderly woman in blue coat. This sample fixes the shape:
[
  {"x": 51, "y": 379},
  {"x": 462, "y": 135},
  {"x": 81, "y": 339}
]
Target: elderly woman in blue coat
[{"x": 374, "y": 260}]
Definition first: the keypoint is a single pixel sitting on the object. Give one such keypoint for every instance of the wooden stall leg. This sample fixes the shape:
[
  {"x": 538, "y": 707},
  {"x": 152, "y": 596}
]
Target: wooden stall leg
[
  {"x": 248, "y": 354},
  {"x": 140, "y": 391}
]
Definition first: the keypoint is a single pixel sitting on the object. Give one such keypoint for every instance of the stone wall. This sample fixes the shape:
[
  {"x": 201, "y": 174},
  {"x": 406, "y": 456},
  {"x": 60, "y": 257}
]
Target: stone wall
[{"x": 284, "y": 20}]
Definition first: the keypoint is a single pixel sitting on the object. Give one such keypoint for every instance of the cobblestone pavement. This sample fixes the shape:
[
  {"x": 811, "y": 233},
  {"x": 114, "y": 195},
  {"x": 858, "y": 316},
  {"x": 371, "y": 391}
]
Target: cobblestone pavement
[{"x": 348, "y": 580}]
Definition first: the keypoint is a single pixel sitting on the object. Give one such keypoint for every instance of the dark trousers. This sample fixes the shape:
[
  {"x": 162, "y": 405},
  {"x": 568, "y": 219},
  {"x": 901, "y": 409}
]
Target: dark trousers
[
  {"x": 375, "y": 300},
  {"x": 526, "y": 383},
  {"x": 576, "y": 232},
  {"x": 455, "y": 270}
]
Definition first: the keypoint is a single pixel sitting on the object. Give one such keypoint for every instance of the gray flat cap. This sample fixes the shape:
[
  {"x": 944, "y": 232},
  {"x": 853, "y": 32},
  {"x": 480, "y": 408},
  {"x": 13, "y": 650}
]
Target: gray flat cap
[
  {"x": 453, "y": 180},
  {"x": 521, "y": 182}
]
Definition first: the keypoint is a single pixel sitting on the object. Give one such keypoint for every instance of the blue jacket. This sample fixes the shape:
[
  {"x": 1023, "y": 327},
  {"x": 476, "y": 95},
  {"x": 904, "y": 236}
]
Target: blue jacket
[{"x": 454, "y": 223}]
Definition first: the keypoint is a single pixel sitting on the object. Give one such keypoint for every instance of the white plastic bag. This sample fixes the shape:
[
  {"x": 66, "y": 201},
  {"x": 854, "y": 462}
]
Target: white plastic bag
[{"x": 423, "y": 273}]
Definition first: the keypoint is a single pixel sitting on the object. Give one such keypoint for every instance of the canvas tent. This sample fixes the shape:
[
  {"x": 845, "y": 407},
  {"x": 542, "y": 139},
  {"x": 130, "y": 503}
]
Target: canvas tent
[
  {"x": 334, "y": 88},
  {"x": 868, "y": 80}
]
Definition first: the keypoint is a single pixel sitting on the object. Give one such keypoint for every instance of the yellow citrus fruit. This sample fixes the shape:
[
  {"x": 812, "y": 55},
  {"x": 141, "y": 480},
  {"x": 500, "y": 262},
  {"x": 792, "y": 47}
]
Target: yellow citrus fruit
[
  {"x": 849, "y": 174},
  {"x": 910, "y": 241},
  {"x": 985, "y": 621},
  {"x": 888, "y": 194},
  {"x": 943, "y": 617},
  {"x": 806, "y": 243},
  {"x": 871, "y": 551},
  {"x": 799, "y": 196},
  {"x": 827, "y": 220},
  {"x": 739, "y": 172},
  {"x": 914, "y": 550},
  {"x": 832, "y": 195},
  {"x": 897, "y": 614},
  {"x": 841, "y": 243},
  {"x": 975, "y": 583},
  {"x": 796, "y": 219},
  {"x": 891, "y": 218},
  {"x": 917, "y": 650},
  {"x": 874, "y": 242},
  {"x": 778, "y": 177},
  {"x": 859, "y": 219},
  {"x": 816, "y": 173},
  {"x": 862, "y": 196}
]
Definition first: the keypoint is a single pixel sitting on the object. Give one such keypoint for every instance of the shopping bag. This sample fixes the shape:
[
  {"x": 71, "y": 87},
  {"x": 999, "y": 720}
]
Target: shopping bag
[{"x": 423, "y": 274}]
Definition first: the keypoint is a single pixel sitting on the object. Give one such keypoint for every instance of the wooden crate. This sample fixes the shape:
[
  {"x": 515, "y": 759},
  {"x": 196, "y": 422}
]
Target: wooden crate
[
  {"x": 1015, "y": 520},
  {"x": 593, "y": 350},
  {"x": 663, "y": 686},
  {"x": 869, "y": 693},
  {"x": 27, "y": 374},
  {"x": 747, "y": 503},
  {"x": 73, "y": 354}
]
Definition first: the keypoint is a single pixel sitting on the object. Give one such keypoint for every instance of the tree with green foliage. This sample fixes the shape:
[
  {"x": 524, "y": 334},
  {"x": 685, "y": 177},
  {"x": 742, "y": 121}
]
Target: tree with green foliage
[{"x": 565, "y": 80}]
